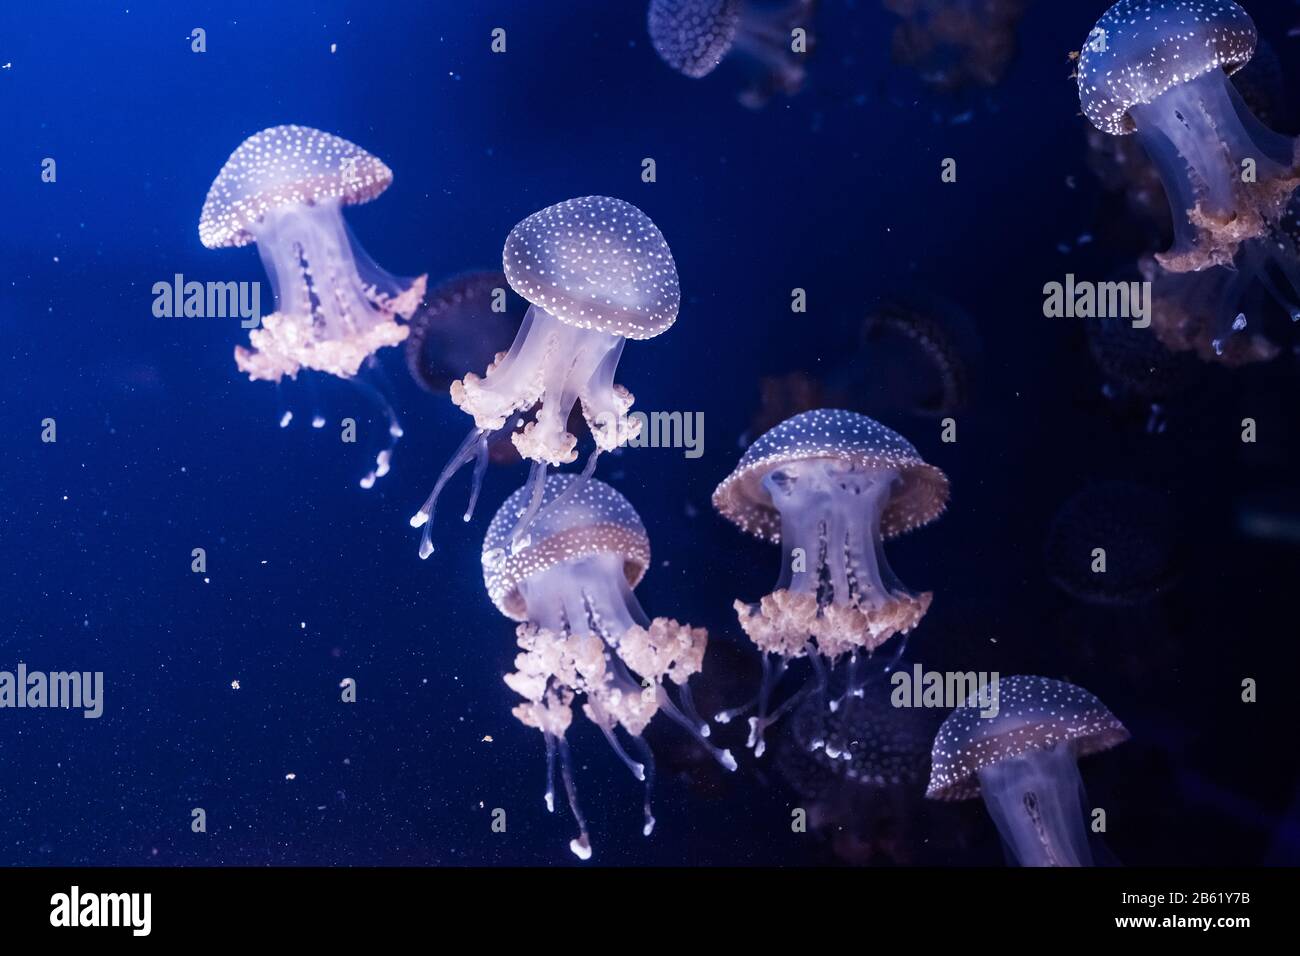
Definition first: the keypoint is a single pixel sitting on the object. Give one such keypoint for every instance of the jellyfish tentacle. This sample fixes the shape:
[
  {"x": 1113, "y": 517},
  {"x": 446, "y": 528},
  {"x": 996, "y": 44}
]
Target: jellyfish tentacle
[
  {"x": 383, "y": 460},
  {"x": 606, "y": 724},
  {"x": 549, "y": 796},
  {"x": 581, "y": 846},
  {"x": 536, "y": 486},
  {"x": 696, "y": 730},
  {"x": 480, "y": 468},
  {"x": 473, "y": 445},
  {"x": 648, "y": 760}
]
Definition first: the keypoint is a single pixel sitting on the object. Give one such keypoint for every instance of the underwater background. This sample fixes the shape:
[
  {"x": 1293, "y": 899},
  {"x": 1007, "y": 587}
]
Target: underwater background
[{"x": 164, "y": 447}]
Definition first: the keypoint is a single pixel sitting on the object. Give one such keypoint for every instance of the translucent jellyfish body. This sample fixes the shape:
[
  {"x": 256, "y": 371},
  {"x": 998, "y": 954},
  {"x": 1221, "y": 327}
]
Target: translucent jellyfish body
[
  {"x": 284, "y": 189},
  {"x": 583, "y": 633},
  {"x": 1024, "y": 763},
  {"x": 1159, "y": 69},
  {"x": 694, "y": 36},
  {"x": 597, "y": 272},
  {"x": 830, "y": 487}
]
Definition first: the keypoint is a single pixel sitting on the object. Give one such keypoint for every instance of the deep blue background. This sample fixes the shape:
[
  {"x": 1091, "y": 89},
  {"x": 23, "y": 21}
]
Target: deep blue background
[{"x": 163, "y": 447}]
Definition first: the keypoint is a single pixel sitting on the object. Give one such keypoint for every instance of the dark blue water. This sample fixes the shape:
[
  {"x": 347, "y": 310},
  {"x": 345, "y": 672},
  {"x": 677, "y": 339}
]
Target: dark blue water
[{"x": 163, "y": 447}]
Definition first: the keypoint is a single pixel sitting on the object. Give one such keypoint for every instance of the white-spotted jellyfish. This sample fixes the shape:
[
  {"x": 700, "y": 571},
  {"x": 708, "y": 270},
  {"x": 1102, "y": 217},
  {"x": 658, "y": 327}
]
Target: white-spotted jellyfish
[
  {"x": 830, "y": 486},
  {"x": 284, "y": 189},
  {"x": 773, "y": 39},
  {"x": 1160, "y": 69},
  {"x": 582, "y": 631},
  {"x": 597, "y": 272},
  {"x": 1023, "y": 760}
]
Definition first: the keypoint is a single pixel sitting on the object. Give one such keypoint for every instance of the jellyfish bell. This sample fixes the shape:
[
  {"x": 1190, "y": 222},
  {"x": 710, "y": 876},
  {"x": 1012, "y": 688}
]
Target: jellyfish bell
[
  {"x": 830, "y": 486},
  {"x": 1137, "y": 530},
  {"x": 284, "y": 189},
  {"x": 597, "y": 272},
  {"x": 1024, "y": 763},
  {"x": 582, "y": 631},
  {"x": 1159, "y": 69},
  {"x": 461, "y": 325},
  {"x": 694, "y": 36}
]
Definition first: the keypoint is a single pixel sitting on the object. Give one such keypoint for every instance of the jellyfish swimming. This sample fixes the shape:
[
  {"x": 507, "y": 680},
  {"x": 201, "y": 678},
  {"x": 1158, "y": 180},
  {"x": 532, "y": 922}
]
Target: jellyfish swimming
[
  {"x": 694, "y": 36},
  {"x": 583, "y": 632},
  {"x": 1160, "y": 69},
  {"x": 597, "y": 272},
  {"x": 954, "y": 44},
  {"x": 284, "y": 189},
  {"x": 1024, "y": 763},
  {"x": 462, "y": 323},
  {"x": 830, "y": 486}
]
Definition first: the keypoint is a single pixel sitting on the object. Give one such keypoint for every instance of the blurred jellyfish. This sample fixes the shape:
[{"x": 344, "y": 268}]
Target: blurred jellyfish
[
  {"x": 1159, "y": 68},
  {"x": 1139, "y": 369},
  {"x": 915, "y": 358},
  {"x": 1188, "y": 309},
  {"x": 284, "y": 189},
  {"x": 830, "y": 487},
  {"x": 779, "y": 398},
  {"x": 694, "y": 36},
  {"x": 1134, "y": 526},
  {"x": 953, "y": 44},
  {"x": 461, "y": 325},
  {"x": 859, "y": 767},
  {"x": 597, "y": 272},
  {"x": 1024, "y": 763},
  {"x": 582, "y": 630}
]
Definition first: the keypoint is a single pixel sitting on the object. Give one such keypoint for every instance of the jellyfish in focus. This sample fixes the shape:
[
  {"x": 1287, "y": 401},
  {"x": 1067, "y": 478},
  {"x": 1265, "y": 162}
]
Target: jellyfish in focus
[
  {"x": 1159, "y": 69},
  {"x": 597, "y": 272},
  {"x": 583, "y": 632},
  {"x": 953, "y": 44},
  {"x": 694, "y": 36},
  {"x": 1024, "y": 763},
  {"x": 1137, "y": 530},
  {"x": 284, "y": 189},
  {"x": 830, "y": 486}
]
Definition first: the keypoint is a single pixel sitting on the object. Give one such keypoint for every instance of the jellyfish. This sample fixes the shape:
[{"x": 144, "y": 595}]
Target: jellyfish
[
  {"x": 861, "y": 769},
  {"x": 583, "y": 632},
  {"x": 1159, "y": 69},
  {"x": 956, "y": 43},
  {"x": 1024, "y": 763},
  {"x": 461, "y": 324},
  {"x": 1188, "y": 311},
  {"x": 694, "y": 36},
  {"x": 1136, "y": 529},
  {"x": 597, "y": 272},
  {"x": 830, "y": 486},
  {"x": 1138, "y": 369},
  {"x": 284, "y": 189}
]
